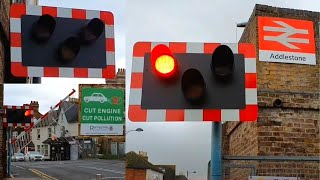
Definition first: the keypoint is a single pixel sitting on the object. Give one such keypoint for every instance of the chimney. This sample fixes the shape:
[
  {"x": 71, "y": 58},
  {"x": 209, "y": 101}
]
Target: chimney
[
  {"x": 35, "y": 105},
  {"x": 121, "y": 73},
  {"x": 144, "y": 155}
]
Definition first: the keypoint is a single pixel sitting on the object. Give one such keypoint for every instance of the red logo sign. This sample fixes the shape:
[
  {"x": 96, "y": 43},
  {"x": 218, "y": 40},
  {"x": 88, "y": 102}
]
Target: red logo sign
[{"x": 289, "y": 35}]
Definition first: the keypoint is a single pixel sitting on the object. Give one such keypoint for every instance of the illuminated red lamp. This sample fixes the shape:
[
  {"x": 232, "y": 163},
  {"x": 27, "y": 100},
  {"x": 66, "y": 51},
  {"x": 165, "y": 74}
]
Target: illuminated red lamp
[
  {"x": 163, "y": 61},
  {"x": 28, "y": 113}
]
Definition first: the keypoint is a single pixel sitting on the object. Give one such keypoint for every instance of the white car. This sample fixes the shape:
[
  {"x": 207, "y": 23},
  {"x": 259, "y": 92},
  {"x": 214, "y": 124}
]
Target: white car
[
  {"x": 18, "y": 157},
  {"x": 34, "y": 156},
  {"x": 96, "y": 97}
]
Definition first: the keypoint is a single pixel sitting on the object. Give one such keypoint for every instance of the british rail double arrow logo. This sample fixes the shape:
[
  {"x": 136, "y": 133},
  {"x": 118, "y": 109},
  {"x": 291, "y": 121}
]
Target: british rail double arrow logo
[{"x": 285, "y": 38}]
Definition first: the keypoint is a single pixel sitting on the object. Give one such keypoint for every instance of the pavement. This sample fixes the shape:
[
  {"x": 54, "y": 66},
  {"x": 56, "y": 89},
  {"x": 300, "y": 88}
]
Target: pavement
[{"x": 69, "y": 170}]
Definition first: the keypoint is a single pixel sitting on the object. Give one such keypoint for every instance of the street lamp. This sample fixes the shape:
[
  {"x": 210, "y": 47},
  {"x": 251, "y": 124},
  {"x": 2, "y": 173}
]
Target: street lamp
[
  {"x": 243, "y": 24},
  {"x": 138, "y": 130},
  {"x": 240, "y": 25},
  {"x": 188, "y": 172}
]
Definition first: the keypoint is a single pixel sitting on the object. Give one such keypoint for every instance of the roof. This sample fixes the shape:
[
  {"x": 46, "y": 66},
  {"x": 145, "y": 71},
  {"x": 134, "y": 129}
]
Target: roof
[
  {"x": 49, "y": 119},
  {"x": 71, "y": 110},
  {"x": 58, "y": 140},
  {"x": 135, "y": 161},
  {"x": 71, "y": 113},
  {"x": 170, "y": 171}
]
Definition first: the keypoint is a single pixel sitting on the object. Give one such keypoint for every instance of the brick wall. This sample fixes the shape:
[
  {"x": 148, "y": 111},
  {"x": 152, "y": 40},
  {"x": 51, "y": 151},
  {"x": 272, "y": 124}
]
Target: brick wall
[
  {"x": 281, "y": 76},
  {"x": 2, "y": 130},
  {"x": 290, "y": 130},
  {"x": 135, "y": 174},
  {"x": 4, "y": 16},
  {"x": 4, "y": 34},
  {"x": 3, "y": 137}
]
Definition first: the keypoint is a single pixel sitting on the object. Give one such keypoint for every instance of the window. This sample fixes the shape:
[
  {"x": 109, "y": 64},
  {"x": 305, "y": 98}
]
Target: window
[
  {"x": 38, "y": 148},
  {"x": 15, "y": 134},
  {"x": 38, "y": 134},
  {"x": 49, "y": 132}
]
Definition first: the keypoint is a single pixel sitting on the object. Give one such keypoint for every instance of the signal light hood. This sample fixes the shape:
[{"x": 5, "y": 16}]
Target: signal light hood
[
  {"x": 222, "y": 64},
  {"x": 193, "y": 86},
  {"x": 43, "y": 29},
  {"x": 69, "y": 49},
  {"x": 92, "y": 31}
]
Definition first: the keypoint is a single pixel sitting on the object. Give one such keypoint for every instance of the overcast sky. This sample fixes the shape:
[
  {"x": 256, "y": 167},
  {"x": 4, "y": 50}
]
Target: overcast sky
[
  {"x": 53, "y": 89},
  {"x": 186, "y": 145}
]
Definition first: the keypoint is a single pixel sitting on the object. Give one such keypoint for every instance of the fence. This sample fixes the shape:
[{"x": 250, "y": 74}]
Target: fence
[{"x": 300, "y": 168}]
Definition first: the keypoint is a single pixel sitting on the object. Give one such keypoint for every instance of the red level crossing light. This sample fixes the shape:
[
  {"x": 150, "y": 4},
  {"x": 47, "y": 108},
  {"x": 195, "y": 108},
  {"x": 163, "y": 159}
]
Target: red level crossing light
[
  {"x": 28, "y": 113},
  {"x": 163, "y": 61},
  {"x": 213, "y": 82},
  {"x": 18, "y": 116}
]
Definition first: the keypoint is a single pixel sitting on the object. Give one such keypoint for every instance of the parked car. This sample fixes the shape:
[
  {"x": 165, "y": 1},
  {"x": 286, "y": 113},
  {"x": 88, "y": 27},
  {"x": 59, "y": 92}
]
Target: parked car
[
  {"x": 34, "y": 156},
  {"x": 96, "y": 97},
  {"x": 18, "y": 157}
]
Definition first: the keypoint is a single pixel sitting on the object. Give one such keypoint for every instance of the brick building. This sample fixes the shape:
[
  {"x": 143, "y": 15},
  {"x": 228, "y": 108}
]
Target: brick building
[
  {"x": 139, "y": 168},
  {"x": 292, "y": 129}
]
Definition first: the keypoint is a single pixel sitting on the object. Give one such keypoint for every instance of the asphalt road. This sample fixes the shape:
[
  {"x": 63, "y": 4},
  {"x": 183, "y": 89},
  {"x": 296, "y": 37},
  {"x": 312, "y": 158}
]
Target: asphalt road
[{"x": 71, "y": 170}]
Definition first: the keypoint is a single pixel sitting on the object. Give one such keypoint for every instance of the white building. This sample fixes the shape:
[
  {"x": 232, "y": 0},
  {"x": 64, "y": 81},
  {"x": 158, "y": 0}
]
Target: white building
[
  {"x": 42, "y": 131},
  {"x": 59, "y": 127}
]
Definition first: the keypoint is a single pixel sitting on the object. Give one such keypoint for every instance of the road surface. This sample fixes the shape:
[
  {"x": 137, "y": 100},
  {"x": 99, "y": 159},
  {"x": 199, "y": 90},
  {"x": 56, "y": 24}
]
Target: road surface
[{"x": 70, "y": 170}]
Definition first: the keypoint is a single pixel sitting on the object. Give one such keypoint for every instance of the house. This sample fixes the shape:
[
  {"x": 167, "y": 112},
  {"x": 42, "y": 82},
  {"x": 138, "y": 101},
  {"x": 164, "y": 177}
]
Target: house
[
  {"x": 64, "y": 145},
  {"x": 139, "y": 168},
  {"x": 42, "y": 131},
  {"x": 169, "y": 171}
]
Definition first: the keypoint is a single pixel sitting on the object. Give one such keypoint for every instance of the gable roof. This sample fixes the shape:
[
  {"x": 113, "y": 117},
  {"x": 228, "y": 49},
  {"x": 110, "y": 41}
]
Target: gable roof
[
  {"x": 71, "y": 113},
  {"x": 49, "y": 119},
  {"x": 135, "y": 161},
  {"x": 170, "y": 171},
  {"x": 71, "y": 110}
]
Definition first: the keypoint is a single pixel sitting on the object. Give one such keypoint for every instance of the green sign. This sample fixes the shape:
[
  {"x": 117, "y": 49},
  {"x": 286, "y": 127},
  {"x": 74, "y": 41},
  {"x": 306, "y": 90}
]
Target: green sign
[{"x": 102, "y": 106}]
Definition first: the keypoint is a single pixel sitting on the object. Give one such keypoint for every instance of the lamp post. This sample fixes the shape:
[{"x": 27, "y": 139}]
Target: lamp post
[
  {"x": 138, "y": 130},
  {"x": 192, "y": 172},
  {"x": 240, "y": 25}
]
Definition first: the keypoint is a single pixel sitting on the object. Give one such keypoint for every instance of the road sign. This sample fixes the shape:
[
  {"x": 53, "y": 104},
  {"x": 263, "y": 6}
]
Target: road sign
[
  {"x": 188, "y": 86},
  {"x": 286, "y": 40},
  {"x": 102, "y": 111},
  {"x": 18, "y": 116},
  {"x": 61, "y": 42}
]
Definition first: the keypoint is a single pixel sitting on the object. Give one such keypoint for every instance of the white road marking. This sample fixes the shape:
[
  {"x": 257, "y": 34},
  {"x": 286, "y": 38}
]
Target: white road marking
[
  {"x": 19, "y": 167},
  {"x": 111, "y": 178},
  {"x": 101, "y": 169}
]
